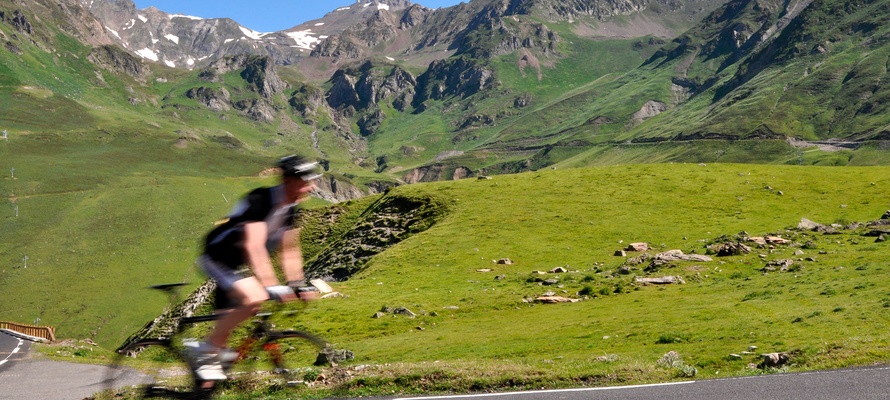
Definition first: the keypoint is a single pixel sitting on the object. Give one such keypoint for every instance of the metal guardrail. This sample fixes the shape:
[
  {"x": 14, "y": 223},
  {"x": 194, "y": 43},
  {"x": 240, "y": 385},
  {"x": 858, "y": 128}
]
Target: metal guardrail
[{"x": 44, "y": 332}]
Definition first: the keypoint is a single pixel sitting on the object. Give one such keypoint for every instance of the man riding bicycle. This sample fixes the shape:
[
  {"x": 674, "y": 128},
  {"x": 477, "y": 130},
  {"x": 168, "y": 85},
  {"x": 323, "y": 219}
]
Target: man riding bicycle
[{"x": 260, "y": 224}]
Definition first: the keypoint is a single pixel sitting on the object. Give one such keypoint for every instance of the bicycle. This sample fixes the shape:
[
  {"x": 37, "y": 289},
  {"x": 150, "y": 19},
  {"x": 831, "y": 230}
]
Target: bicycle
[{"x": 281, "y": 350}]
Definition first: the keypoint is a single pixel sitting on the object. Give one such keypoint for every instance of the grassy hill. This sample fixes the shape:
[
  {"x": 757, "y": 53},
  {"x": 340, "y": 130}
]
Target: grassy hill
[
  {"x": 475, "y": 329},
  {"x": 478, "y": 327},
  {"x": 109, "y": 181}
]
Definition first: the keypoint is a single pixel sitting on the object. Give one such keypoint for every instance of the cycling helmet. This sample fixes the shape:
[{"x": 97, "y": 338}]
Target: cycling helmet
[{"x": 296, "y": 166}]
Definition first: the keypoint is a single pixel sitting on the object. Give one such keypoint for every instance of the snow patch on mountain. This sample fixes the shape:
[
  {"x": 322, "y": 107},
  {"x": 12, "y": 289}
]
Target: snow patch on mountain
[
  {"x": 147, "y": 53},
  {"x": 113, "y": 32},
  {"x": 252, "y": 33},
  {"x": 186, "y": 16},
  {"x": 304, "y": 39}
]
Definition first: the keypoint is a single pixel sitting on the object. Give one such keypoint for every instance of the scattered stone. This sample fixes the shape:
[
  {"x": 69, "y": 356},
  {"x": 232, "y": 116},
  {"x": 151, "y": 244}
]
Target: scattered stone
[
  {"x": 555, "y": 299},
  {"x": 500, "y": 277},
  {"x": 778, "y": 265},
  {"x": 886, "y": 215},
  {"x": 484, "y": 270},
  {"x": 665, "y": 280},
  {"x": 808, "y": 225},
  {"x": 624, "y": 270},
  {"x": 774, "y": 360},
  {"x": 731, "y": 249},
  {"x": 550, "y": 282},
  {"x": 504, "y": 261},
  {"x": 558, "y": 270},
  {"x": 637, "y": 247},
  {"x": 379, "y": 314},
  {"x": 404, "y": 311},
  {"x": 620, "y": 253},
  {"x": 880, "y": 238},
  {"x": 331, "y": 356},
  {"x": 776, "y": 240},
  {"x": 677, "y": 255},
  {"x": 735, "y": 356}
]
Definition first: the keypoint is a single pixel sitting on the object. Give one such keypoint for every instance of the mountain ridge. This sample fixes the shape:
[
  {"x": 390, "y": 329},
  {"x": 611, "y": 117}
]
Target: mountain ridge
[{"x": 399, "y": 93}]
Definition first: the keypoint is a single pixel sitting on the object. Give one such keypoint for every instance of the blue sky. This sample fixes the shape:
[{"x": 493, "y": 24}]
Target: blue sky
[{"x": 264, "y": 15}]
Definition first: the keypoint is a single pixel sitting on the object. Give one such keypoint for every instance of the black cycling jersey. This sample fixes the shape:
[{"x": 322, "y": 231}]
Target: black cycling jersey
[{"x": 225, "y": 243}]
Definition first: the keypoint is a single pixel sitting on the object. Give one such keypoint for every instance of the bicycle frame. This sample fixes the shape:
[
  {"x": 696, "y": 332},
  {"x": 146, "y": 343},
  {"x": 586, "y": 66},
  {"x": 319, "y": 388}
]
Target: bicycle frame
[{"x": 262, "y": 333}]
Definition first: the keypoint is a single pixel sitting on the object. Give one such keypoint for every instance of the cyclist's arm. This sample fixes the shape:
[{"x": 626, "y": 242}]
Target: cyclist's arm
[
  {"x": 292, "y": 256},
  {"x": 257, "y": 256},
  {"x": 292, "y": 264}
]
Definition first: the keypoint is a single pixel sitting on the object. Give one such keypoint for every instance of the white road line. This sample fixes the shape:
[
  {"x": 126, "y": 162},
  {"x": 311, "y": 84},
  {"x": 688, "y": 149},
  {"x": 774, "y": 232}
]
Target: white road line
[
  {"x": 545, "y": 391},
  {"x": 17, "y": 348}
]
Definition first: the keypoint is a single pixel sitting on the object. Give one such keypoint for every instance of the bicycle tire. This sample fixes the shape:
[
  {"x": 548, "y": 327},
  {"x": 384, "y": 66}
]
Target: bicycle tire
[
  {"x": 119, "y": 377},
  {"x": 162, "y": 383},
  {"x": 286, "y": 354}
]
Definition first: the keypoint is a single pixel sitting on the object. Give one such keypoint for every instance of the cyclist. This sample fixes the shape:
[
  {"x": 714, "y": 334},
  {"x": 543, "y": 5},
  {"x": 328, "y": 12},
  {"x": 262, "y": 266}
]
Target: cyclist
[{"x": 260, "y": 224}]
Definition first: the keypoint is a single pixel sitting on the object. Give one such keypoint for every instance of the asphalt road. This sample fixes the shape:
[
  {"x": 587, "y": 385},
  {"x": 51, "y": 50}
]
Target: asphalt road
[
  {"x": 858, "y": 383},
  {"x": 24, "y": 378}
]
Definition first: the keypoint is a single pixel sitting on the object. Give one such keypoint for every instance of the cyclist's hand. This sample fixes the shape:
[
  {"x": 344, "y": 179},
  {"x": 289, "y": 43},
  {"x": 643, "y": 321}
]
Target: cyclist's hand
[
  {"x": 307, "y": 293},
  {"x": 281, "y": 293},
  {"x": 303, "y": 291}
]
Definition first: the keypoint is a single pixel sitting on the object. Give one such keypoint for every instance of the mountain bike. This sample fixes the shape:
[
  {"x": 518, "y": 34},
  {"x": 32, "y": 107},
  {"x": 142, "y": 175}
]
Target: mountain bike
[{"x": 265, "y": 353}]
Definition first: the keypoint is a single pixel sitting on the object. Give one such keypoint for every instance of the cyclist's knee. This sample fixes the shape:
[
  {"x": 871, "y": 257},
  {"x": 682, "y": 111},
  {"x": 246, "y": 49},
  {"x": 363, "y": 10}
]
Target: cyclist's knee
[{"x": 250, "y": 292}]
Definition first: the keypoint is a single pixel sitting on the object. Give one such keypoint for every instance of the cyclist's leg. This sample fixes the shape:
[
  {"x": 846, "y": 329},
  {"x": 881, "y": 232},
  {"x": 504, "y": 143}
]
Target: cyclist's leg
[
  {"x": 207, "y": 357},
  {"x": 249, "y": 294}
]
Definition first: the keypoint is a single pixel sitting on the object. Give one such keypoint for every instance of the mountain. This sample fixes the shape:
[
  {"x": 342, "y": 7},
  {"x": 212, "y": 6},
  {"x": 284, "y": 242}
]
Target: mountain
[
  {"x": 388, "y": 92},
  {"x": 119, "y": 163}
]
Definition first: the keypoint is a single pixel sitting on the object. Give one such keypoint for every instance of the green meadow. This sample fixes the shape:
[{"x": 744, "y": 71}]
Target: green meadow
[{"x": 478, "y": 326}]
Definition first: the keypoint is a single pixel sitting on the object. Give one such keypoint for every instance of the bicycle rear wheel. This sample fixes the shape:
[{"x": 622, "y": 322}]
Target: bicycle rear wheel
[
  {"x": 285, "y": 357},
  {"x": 120, "y": 377},
  {"x": 168, "y": 375}
]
